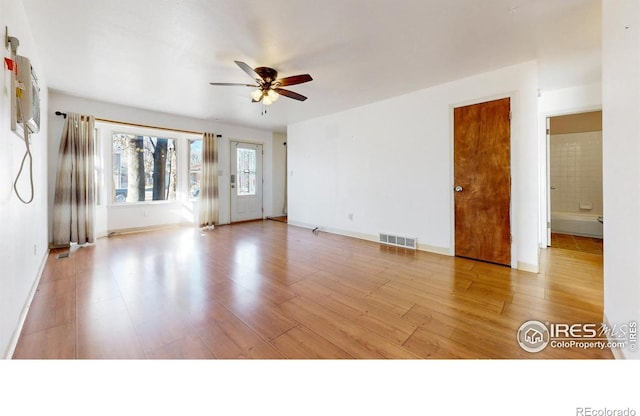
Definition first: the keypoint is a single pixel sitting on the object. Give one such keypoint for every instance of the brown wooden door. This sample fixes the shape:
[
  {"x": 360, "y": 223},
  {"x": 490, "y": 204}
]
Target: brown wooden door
[{"x": 482, "y": 177}]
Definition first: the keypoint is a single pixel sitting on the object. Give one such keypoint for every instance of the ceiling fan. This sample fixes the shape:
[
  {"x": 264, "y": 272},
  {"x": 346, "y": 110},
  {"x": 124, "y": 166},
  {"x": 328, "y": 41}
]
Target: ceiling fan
[{"x": 268, "y": 85}]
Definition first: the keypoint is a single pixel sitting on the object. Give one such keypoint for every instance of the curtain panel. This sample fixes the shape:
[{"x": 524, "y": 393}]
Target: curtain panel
[
  {"x": 75, "y": 193},
  {"x": 209, "y": 181}
]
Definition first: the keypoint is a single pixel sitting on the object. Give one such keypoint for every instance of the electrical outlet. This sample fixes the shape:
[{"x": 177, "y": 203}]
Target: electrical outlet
[{"x": 351, "y": 216}]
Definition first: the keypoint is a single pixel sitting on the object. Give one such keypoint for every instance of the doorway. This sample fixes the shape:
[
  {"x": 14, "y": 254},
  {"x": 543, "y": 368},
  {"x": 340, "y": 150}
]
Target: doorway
[
  {"x": 575, "y": 182},
  {"x": 246, "y": 181},
  {"x": 482, "y": 180}
]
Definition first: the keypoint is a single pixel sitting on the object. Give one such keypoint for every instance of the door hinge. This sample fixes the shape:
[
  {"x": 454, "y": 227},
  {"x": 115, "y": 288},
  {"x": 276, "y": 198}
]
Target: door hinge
[
  {"x": 548, "y": 132},
  {"x": 510, "y": 115}
]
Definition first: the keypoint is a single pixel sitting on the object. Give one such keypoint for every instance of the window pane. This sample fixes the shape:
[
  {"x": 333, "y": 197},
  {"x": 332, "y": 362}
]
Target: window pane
[
  {"x": 144, "y": 168},
  {"x": 246, "y": 171},
  {"x": 195, "y": 167}
]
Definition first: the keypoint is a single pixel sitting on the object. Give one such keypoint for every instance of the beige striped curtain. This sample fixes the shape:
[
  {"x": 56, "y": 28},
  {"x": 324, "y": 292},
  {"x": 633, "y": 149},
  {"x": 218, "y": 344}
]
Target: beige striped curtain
[
  {"x": 75, "y": 194},
  {"x": 209, "y": 181}
]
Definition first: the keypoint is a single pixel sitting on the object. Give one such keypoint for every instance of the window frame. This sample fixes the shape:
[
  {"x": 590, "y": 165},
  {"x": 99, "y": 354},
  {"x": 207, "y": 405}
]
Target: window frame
[{"x": 108, "y": 129}]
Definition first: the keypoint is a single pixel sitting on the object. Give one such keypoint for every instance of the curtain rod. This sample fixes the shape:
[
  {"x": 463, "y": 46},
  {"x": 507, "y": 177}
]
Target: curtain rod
[{"x": 106, "y": 120}]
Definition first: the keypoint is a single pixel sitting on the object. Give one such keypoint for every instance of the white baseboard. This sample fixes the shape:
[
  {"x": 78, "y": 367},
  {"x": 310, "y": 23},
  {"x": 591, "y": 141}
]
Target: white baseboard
[
  {"x": 618, "y": 354},
  {"x": 445, "y": 251},
  {"x": 145, "y": 229},
  {"x": 527, "y": 267},
  {"x": 368, "y": 237},
  {"x": 25, "y": 309},
  {"x": 434, "y": 249}
]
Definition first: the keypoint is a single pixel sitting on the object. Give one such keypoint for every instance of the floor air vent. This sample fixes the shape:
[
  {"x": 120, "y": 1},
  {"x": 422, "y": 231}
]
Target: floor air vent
[{"x": 395, "y": 240}]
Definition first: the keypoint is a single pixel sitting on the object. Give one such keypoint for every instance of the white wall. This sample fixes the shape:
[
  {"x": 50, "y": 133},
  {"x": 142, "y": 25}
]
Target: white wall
[
  {"x": 279, "y": 174},
  {"x": 390, "y": 164},
  {"x": 621, "y": 161},
  {"x": 23, "y": 229},
  {"x": 573, "y": 100},
  {"x": 148, "y": 215}
]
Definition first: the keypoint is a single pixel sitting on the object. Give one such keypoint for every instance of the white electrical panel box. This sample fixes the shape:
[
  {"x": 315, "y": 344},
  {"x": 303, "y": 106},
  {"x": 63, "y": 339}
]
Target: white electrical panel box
[{"x": 27, "y": 97}]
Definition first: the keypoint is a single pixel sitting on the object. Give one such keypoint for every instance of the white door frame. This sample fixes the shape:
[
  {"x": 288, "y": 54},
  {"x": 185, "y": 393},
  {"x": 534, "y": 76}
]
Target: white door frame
[{"x": 545, "y": 168}]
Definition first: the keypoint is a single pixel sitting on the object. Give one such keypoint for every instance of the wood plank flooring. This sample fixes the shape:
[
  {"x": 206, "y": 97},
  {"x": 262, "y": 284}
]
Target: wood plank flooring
[{"x": 268, "y": 290}]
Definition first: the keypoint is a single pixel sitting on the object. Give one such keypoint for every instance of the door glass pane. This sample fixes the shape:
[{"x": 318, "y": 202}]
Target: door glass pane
[{"x": 246, "y": 171}]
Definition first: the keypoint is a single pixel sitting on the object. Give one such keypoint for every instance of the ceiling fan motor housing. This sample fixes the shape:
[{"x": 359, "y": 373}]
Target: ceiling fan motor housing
[{"x": 269, "y": 75}]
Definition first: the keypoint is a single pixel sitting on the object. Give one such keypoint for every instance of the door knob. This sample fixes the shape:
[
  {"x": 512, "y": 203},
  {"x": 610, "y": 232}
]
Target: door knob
[{"x": 458, "y": 188}]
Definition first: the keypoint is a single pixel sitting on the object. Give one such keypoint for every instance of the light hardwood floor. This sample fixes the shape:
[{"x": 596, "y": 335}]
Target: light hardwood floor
[{"x": 269, "y": 290}]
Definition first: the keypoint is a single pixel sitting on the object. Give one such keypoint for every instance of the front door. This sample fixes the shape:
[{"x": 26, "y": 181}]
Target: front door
[
  {"x": 482, "y": 181},
  {"x": 246, "y": 181}
]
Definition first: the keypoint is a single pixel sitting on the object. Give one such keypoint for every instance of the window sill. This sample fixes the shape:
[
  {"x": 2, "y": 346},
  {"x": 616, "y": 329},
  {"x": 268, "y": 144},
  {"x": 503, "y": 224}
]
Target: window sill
[{"x": 141, "y": 203}]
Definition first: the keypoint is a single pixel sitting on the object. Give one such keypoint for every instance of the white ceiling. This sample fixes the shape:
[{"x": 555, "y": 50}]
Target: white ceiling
[{"x": 161, "y": 54}]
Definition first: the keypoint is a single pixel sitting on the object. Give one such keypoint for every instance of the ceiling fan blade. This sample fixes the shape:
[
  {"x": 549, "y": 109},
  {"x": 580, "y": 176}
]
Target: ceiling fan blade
[
  {"x": 233, "y": 84},
  {"x": 246, "y": 68},
  {"x": 294, "y": 80},
  {"x": 290, "y": 94}
]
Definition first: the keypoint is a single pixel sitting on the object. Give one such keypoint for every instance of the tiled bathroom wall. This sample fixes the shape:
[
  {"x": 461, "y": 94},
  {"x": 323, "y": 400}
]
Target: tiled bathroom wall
[{"x": 576, "y": 172}]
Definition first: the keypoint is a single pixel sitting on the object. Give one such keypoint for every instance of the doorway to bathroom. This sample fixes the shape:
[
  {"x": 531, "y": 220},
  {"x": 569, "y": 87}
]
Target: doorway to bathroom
[{"x": 575, "y": 181}]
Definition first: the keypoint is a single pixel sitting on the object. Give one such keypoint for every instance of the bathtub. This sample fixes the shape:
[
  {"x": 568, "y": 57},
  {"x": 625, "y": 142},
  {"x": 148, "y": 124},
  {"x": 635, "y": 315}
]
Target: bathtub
[{"x": 576, "y": 224}]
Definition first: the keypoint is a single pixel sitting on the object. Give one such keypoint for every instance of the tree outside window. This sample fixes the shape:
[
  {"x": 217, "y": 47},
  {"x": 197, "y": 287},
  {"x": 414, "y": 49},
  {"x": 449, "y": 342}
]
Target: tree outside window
[{"x": 144, "y": 168}]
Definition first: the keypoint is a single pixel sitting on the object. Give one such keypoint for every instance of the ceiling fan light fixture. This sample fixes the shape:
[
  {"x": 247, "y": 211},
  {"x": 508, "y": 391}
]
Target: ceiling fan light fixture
[
  {"x": 256, "y": 95},
  {"x": 267, "y": 100},
  {"x": 273, "y": 95}
]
